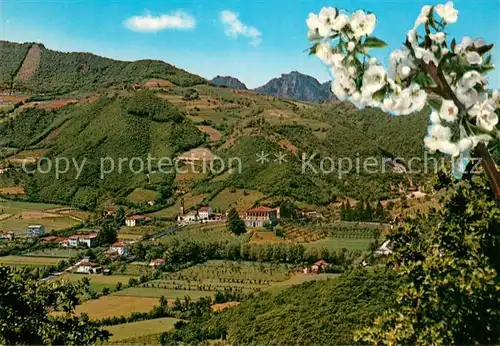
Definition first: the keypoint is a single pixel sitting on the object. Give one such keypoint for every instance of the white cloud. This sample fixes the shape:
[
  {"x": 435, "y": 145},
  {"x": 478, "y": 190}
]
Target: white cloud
[
  {"x": 176, "y": 20},
  {"x": 233, "y": 27}
]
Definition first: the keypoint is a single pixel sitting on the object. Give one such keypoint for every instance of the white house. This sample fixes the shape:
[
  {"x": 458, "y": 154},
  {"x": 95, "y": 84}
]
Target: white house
[
  {"x": 120, "y": 248},
  {"x": 205, "y": 213},
  {"x": 88, "y": 239},
  {"x": 73, "y": 241},
  {"x": 7, "y": 236},
  {"x": 87, "y": 268},
  {"x": 35, "y": 231},
  {"x": 134, "y": 220},
  {"x": 191, "y": 216}
]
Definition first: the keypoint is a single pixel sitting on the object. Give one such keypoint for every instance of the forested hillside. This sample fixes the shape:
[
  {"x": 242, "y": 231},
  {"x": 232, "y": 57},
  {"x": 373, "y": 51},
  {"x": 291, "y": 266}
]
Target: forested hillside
[{"x": 55, "y": 72}]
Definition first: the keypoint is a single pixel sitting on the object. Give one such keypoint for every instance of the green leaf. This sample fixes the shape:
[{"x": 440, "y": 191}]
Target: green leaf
[
  {"x": 373, "y": 42},
  {"x": 435, "y": 103}
]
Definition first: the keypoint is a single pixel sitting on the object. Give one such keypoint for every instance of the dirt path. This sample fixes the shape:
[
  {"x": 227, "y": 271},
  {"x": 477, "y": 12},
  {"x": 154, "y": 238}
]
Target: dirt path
[{"x": 30, "y": 63}]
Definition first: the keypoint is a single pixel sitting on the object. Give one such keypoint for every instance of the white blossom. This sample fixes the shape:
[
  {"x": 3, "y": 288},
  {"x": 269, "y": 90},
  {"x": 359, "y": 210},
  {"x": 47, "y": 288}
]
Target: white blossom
[
  {"x": 485, "y": 115},
  {"x": 434, "y": 117},
  {"x": 423, "y": 17},
  {"x": 467, "y": 143},
  {"x": 479, "y": 43},
  {"x": 463, "y": 45},
  {"x": 438, "y": 37},
  {"x": 324, "y": 53},
  {"x": 340, "y": 22},
  {"x": 362, "y": 23},
  {"x": 474, "y": 58},
  {"x": 439, "y": 139},
  {"x": 400, "y": 63},
  {"x": 373, "y": 79},
  {"x": 448, "y": 111},
  {"x": 350, "y": 46},
  {"x": 447, "y": 12}
]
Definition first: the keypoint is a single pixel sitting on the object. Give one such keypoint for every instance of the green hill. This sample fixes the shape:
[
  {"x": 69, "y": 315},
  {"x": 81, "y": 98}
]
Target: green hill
[{"x": 52, "y": 72}]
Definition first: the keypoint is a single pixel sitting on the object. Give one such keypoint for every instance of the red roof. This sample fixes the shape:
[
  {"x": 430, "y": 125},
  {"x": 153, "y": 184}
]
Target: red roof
[
  {"x": 75, "y": 236},
  {"x": 158, "y": 260},
  {"x": 49, "y": 238},
  {"x": 88, "y": 236},
  {"x": 61, "y": 240},
  {"x": 136, "y": 217},
  {"x": 119, "y": 244},
  {"x": 321, "y": 263},
  {"x": 260, "y": 210},
  {"x": 204, "y": 208},
  {"x": 88, "y": 264}
]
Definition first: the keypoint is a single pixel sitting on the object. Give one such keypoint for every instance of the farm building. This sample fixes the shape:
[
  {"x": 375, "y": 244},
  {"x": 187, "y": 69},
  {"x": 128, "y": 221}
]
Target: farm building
[
  {"x": 320, "y": 266},
  {"x": 35, "y": 231},
  {"x": 191, "y": 216},
  {"x": 9, "y": 236},
  {"x": 3, "y": 170},
  {"x": 205, "y": 213},
  {"x": 64, "y": 242},
  {"x": 88, "y": 268},
  {"x": 90, "y": 240},
  {"x": 157, "y": 263},
  {"x": 48, "y": 239},
  {"x": 257, "y": 217},
  {"x": 120, "y": 248},
  {"x": 134, "y": 220}
]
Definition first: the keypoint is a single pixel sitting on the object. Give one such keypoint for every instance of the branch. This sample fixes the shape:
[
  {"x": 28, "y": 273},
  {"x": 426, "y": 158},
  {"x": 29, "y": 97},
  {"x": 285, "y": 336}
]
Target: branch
[{"x": 445, "y": 91}]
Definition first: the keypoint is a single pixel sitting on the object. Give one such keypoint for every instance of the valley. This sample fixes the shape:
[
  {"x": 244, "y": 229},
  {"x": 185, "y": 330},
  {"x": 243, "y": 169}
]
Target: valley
[{"x": 106, "y": 168}]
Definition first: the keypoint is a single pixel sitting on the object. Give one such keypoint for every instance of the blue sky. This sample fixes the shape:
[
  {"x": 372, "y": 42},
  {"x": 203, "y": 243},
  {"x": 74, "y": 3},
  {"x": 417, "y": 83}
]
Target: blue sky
[{"x": 267, "y": 38}]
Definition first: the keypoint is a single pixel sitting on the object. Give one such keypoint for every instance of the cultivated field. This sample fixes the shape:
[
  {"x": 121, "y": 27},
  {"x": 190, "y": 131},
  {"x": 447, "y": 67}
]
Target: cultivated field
[
  {"x": 23, "y": 214},
  {"x": 110, "y": 306},
  {"x": 206, "y": 279},
  {"x": 339, "y": 243},
  {"x": 28, "y": 261},
  {"x": 126, "y": 331},
  {"x": 174, "y": 210}
]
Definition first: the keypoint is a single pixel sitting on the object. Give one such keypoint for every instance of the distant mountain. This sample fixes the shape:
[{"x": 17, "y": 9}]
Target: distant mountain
[
  {"x": 228, "y": 81},
  {"x": 297, "y": 86}
]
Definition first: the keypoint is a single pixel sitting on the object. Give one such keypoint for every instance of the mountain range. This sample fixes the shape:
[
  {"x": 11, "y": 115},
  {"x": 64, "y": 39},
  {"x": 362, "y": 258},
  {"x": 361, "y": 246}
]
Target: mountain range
[{"x": 293, "y": 86}]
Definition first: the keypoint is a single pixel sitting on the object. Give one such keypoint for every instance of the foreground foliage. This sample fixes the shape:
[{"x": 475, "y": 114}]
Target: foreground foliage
[
  {"x": 25, "y": 307},
  {"x": 452, "y": 262}
]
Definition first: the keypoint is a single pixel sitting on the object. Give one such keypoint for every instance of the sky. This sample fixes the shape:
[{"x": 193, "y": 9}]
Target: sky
[{"x": 252, "y": 40}]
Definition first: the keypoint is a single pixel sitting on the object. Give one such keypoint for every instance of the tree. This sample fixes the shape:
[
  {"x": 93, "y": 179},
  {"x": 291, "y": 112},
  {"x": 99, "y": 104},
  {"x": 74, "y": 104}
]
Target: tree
[
  {"x": 25, "y": 307},
  {"x": 451, "y": 262},
  {"x": 234, "y": 223},
  {"x": 108, "y": 233}
]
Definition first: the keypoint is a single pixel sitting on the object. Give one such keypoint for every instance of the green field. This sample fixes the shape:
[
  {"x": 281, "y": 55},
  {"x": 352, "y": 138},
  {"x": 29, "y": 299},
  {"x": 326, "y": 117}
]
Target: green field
[
  {"x": 239, "y": 199},
  {"x": 159, "y": 292},
  {"x": 339, "y": 243},
  {"x": 28, "y": 261},
  {"x": 122, "y": 332},
  {"x": 98, "y": 282},
  {"x": 56, "y": 253},
  {"x": 201, "y": 232},
  {"x": 139, "y": 196}
]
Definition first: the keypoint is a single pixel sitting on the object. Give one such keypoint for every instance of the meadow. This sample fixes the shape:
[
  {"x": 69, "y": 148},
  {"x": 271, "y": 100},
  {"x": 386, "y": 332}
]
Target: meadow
[
  {"x": 55, "y": 253},
  {"x": 113, "y": 305},
  {"x": 98, "y": 282},
  {"x": 124, "y": 332},
  {"x": 201, "y": 232},
  {"x": 28, "y": 261},
  {"x": 332, "y": 243},
  {"x": 235, "y": 198}
]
